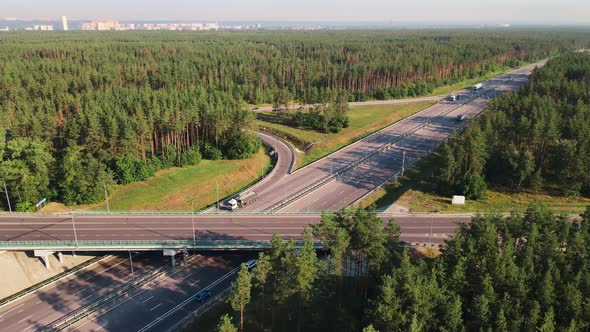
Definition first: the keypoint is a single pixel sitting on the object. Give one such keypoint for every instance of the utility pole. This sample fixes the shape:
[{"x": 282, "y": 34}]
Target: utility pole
[
  {"x": 403, "y": 162},
  {"x": 131, "y": 264},
  {"x": 217, "y": 186},
  {"x": 431, "y": 222},
  {"x": 74, "y": 227},
  {"x": 7, "y": 198},
  {"x": 106, "y": 196}
]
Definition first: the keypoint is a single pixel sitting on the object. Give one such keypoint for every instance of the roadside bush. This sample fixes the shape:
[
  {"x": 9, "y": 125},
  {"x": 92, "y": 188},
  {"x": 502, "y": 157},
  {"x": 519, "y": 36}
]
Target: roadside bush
[{"x": 210, "y": 152}]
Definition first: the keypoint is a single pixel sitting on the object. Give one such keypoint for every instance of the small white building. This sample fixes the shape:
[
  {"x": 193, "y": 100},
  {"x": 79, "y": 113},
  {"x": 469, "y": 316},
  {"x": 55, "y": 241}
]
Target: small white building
[
  {"x": 458, "y": 200},
  {"x": 43, "y": 27}
]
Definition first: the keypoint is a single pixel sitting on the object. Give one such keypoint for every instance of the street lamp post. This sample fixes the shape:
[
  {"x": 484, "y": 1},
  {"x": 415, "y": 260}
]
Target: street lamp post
[
  {"x": 193, "y": 222},
  {"x": 403, "y": 162},
  {"x": 131, "y": 264},
  {"x": 7, "y": 198},
  {"x": 431, "y": 222},
  {"x": 106, "y": 196},
  {"x": 217, "y": 190}
]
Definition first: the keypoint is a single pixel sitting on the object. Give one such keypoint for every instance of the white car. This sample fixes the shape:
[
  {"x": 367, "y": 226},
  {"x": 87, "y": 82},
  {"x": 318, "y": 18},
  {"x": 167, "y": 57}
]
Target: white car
[{"x": 251, "y": 263}]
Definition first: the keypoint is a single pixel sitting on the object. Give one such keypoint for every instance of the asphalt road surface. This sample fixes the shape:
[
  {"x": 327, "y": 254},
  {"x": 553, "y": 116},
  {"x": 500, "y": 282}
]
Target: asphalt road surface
[
  {"x": 151, "y": 308},
  {"x": 442, "y": 117},
  {"x": 282, "y": 168},
  {"x": 32, "y": 312},
  {"x": 207, "y": 227},
  {"x": 363, "y": 103}
]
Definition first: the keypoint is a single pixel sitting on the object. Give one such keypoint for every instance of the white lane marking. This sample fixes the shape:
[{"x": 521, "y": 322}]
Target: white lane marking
[
  {"x": 144, "y": 301},
  {"x": 152, "y": 309},
  {"x": 186, "y": 276},
  {"x": 24, "y": 319},
  {"x": 86, "y": 297},
  {"x": 195, "y": 282},
  {"x": 78, "y": 292},
  {"x": 18, "y": 306}
]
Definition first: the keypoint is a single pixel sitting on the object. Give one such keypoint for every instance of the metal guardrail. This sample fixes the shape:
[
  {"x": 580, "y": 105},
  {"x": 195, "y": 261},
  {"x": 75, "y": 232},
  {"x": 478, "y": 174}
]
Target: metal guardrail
[
  {"x": 141, "y": 244},
  {"x": 183, "y": 323},
  {"x": 188, "y": 300},
  {"x": 51, "y": 280}
]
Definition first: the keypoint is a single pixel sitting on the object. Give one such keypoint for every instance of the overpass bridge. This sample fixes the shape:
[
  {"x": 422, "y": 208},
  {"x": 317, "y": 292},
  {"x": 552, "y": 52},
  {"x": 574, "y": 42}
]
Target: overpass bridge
[{"x": 137, "y": 232}]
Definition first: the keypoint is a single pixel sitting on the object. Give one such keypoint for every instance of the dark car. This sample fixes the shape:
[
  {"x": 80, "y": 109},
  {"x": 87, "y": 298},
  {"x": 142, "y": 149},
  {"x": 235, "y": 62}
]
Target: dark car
[{"x": 202, "y": 295}]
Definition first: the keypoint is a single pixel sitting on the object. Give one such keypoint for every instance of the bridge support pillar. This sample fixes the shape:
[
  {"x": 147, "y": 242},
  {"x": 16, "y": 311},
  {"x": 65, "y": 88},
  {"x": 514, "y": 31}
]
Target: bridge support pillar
[
  {"x": 44, "y": 255},
  {"x": 60, "y": 257},
  {"x": 172, "y": 253}
]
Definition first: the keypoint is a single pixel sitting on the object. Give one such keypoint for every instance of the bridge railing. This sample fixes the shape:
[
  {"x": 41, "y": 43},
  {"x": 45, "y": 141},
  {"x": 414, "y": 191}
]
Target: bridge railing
[{"x": 141, "y": 244}]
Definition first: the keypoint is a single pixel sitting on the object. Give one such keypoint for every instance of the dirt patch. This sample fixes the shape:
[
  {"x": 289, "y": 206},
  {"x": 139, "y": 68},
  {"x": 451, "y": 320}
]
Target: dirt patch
[{"x": 19, "y": 271}]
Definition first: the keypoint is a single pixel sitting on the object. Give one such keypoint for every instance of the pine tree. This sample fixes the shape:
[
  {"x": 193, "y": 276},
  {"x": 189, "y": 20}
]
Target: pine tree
[{"x": 240, "y": 292}]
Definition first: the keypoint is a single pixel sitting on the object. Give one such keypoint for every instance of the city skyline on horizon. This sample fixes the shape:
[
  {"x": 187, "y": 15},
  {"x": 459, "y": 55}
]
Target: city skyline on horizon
[{"x": 549, "y": 12}]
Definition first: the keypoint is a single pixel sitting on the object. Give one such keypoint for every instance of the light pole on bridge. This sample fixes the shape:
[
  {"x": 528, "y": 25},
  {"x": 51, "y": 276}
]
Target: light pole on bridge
[
  {"x": 193, "y": 222},
  {"x": 74, "y": 227}
]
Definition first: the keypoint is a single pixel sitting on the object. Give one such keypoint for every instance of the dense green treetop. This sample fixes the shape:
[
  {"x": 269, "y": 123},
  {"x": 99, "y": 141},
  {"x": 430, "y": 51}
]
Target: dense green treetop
[{"x": 123, "y": 105}]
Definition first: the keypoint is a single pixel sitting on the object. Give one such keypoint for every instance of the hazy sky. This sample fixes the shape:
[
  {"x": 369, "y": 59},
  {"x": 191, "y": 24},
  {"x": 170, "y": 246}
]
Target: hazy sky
[{"x": 436, "y": 11}]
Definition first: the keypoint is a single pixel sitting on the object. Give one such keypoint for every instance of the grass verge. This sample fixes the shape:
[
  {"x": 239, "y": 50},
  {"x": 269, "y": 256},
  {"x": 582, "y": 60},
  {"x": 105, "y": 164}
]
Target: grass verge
[
  {"x": 364, "y": 120},
  {"x": 179, "y": 188},
  {"x": 415, "y": 191}
]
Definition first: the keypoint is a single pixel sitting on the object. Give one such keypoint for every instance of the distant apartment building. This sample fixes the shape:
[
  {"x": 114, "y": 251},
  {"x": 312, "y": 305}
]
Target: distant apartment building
[
  {"x": 178, "y": 26},
  {"x": 4, "y": 29},
  {"x": 104, "y": 25},
  {"x": 64, "y": 23},
  {"x": 39, "y": 27},
  {"x": 110, "y": 25}
]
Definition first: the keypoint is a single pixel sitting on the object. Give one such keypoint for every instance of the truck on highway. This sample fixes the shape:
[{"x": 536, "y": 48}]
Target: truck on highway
[
  {"x": 477, "y": 86},
  {"x": 233, "y": 204},
  {"x": 246, "y": 199}
]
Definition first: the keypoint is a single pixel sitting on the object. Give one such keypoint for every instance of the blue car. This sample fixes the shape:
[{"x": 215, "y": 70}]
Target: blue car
[{"x": 202, "y": 295}]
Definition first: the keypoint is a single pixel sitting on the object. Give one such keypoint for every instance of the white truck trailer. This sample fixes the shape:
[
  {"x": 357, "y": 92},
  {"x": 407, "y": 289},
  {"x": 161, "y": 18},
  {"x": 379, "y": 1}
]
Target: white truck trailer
[
  {"x": 246, "y": 199},
  {"x": 477, "y": 86}
]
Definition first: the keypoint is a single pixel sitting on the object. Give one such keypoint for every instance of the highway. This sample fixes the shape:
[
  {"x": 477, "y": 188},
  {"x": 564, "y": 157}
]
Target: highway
[
  {"x": 228, "y": 226},
  {"x": 442, "y": 120},
  {"x": 363, "y": 179},
  {"x": 151, "y": 309},
  {"x": 33, "y": 311},
  {"x": 363, "y": 103}
]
